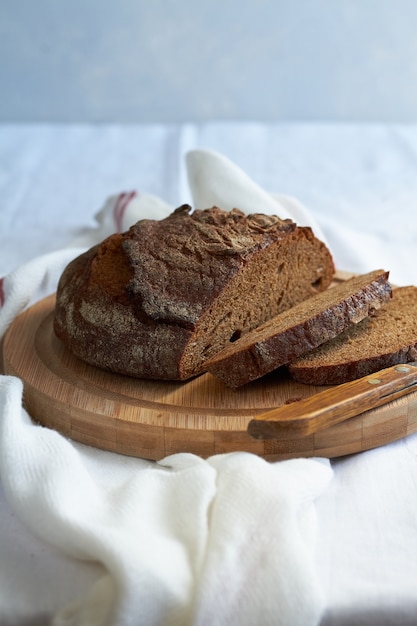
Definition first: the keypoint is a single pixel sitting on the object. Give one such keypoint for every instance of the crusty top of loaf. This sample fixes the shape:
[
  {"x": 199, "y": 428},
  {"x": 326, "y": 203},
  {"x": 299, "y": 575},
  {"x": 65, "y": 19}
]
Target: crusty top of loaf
[{"x": 178, "y": 278}]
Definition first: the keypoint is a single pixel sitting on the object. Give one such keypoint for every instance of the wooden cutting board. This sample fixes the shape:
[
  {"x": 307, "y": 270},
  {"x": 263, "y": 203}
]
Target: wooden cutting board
[{"x": 151, "y": 419}]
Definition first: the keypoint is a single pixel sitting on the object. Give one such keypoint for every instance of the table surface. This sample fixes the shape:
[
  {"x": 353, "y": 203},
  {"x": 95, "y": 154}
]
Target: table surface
[{"x": 360, "y": 183}]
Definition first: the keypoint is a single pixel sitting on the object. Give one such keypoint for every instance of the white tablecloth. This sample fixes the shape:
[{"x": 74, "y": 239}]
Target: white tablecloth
[{"x": 360, "y": 183}]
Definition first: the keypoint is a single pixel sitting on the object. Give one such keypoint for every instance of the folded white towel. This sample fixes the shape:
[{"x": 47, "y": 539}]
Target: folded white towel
[
  {"x": 215, "y": 181},
  {"x": 227, "y": 540}
]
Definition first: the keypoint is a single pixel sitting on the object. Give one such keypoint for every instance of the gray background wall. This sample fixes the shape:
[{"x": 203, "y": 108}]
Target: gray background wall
[{"x": 191, "y": 60}]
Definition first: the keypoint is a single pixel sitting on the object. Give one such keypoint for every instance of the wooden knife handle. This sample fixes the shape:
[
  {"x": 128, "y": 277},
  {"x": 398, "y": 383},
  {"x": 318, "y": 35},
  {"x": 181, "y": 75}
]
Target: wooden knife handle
[{"x": 307, "y": 416}]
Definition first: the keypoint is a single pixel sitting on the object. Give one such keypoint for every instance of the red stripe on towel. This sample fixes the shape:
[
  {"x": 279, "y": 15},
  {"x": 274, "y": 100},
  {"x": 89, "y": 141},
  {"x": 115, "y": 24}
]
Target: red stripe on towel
[
  {"x": 120, "y": 206},
  {"x": 2, "y": 296}
]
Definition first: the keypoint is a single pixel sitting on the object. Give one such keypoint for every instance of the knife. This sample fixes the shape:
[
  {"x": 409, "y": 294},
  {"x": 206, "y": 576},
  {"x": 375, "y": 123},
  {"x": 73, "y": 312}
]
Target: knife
[{"x": 304, "y": 417}]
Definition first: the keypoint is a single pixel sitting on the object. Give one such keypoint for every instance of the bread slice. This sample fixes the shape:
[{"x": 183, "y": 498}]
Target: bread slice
[
  {"x": 300, "y": 329},
  {"x": 387, "y": 337},
  {"x": 160, "y": 299}
]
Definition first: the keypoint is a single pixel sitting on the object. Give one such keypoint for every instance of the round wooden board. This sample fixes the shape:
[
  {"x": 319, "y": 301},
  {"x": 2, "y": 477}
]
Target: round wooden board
[{"x": 151, "y": 419}]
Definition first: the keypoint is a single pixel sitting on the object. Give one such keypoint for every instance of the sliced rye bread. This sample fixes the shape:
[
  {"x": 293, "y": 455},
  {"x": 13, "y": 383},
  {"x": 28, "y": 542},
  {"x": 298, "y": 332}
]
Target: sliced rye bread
[
  {"x": 160, "y": 299},
  {"x": 300, "y": 329},
  {"x": 387, "y": 337}
]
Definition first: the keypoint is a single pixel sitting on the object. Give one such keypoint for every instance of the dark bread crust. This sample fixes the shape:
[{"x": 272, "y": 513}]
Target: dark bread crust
[
  {"x": 158, "y": 300},
  {"x": 387, "y": 337},
  {"x": 300, "y": 329}
]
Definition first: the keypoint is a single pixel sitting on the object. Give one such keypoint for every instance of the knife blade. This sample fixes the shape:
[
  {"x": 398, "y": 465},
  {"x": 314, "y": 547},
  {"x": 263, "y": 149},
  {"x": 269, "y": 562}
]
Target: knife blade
[{"x": 304, "y": 417}]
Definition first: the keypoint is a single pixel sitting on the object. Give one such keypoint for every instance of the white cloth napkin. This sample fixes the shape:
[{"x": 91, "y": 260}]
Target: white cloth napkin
[
  {"x": 184, "y": 541},
  {"x": 216, "y": 181}
]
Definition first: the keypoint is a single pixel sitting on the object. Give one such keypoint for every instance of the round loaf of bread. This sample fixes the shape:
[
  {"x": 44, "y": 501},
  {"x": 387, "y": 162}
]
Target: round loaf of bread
[{"x": 161, "y": 299}]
